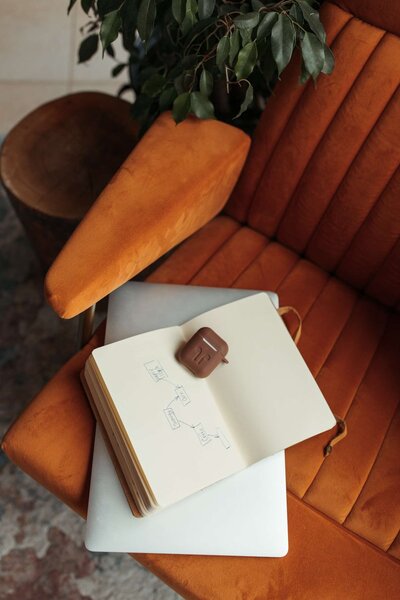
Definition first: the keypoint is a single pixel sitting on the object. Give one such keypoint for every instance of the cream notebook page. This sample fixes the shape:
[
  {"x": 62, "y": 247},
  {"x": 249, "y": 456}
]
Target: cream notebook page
[
  {"x": 171, "y": 417},
  {"x": 267, "y": 394},
  {"x": 189, "y": 433}
]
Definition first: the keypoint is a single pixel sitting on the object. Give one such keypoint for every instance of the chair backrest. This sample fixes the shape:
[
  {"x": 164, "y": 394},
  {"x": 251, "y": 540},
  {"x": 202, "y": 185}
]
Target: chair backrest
[{"x": 323, "y": 176}]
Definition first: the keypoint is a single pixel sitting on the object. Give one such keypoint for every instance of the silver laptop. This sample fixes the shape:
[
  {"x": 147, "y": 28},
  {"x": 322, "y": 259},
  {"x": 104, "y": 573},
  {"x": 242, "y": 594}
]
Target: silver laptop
[{"x": 243, "y": 515}]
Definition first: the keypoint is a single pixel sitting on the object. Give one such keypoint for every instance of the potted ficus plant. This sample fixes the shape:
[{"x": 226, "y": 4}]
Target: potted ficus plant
[{"x": 210, "y": 58}]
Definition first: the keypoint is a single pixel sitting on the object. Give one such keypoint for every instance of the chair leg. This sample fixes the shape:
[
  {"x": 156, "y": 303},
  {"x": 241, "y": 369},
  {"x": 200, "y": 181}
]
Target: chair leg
[{"x": 86, "y": 325}]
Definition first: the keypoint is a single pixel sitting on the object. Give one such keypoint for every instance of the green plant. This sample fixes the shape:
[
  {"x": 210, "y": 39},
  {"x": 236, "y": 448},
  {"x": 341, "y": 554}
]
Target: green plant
[{"x": 205, "y": 57}]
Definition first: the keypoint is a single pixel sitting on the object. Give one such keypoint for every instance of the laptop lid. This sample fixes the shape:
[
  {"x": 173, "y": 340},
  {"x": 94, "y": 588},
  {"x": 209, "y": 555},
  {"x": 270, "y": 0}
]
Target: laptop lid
[{"x": 243, "y": 515}]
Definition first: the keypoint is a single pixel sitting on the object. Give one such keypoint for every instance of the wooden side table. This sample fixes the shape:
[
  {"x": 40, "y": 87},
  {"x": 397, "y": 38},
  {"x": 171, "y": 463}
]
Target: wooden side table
[{"x": 56, "y": 161}]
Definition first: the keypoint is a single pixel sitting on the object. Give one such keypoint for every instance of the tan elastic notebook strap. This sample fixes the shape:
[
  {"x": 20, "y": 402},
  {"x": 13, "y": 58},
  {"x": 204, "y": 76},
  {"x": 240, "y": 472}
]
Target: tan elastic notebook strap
[
  {"x": 341, "y": 426},
  {"x": 284, "y": 310},
  {"x": 341, "y": 433}
]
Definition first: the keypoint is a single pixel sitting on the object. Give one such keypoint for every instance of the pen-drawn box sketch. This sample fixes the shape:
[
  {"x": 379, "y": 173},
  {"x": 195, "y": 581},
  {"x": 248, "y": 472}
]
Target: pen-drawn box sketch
[
  {"x": 171, "y": 418},
  {"x": 224, "y": 440},
  {"x": 202, "y": 434},
  {"x": 156, "y": 370},
  {"x": 182, "y": 394}
]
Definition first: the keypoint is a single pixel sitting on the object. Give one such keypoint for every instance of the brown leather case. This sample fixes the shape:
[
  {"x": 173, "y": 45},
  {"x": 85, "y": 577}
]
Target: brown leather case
[{"x": 203, "y": 352}]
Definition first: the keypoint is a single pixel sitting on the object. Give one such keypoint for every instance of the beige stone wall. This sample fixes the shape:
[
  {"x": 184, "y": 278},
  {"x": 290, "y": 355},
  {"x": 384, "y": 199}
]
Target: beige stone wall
[{"x": 38, "y": 57}]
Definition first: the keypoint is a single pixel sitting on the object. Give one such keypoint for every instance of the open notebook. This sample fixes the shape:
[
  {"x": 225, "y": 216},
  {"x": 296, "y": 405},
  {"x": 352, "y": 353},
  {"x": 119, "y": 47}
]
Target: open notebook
[
  {"x": 174, "y": 434},
  {"x": 215, "y": 520}
]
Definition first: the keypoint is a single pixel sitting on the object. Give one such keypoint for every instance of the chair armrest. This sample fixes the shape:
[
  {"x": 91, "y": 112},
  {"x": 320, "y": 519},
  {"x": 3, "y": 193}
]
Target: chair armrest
[
  {"x": 175, "y": 180},
  {"x": 52, "y": 440}
]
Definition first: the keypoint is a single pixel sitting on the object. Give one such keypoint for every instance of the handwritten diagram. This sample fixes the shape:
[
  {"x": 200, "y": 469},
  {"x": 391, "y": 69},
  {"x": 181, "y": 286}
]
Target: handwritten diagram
[{"x": 179, "y": 400}]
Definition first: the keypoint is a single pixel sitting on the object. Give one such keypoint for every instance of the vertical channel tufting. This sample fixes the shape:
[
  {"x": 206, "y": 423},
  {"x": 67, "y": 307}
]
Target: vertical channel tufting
[
  {"x": 322, "y": 179},
  {"x": 385, "y": 284},
  {"x": 334, "y": 164},
  {"x": 308, "y": 125},
  {"x": 358, "y": 193},
  {"x": 284, "y": 102},
  {"x": 225, "y": 265},
  {"x": 342, "y": 476},
  {"x": 394, "y": 548},
  {"x": 189, "y": 258},
  {"x": 269, "y": 269},
  {"x": 360, "y": 266},
  {"x": 323, "y": 167},
  {"x": 381, "y": 13},
  {"x": 376, "y": 512}
]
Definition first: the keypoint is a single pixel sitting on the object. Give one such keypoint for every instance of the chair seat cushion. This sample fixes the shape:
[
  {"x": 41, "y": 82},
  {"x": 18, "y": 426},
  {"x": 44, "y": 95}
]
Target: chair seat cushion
[
  {"x": 351, "y": 345},
  {"x": 344, "y": 511}
]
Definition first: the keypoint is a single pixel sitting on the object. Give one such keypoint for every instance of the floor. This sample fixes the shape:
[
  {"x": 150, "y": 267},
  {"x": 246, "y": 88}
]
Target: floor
[{"x": 39, "y": 49}]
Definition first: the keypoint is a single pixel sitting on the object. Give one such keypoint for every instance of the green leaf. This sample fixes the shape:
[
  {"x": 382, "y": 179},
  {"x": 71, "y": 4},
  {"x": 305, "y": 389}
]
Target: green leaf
[
  {"x": 206, "y": 83},
  {"x": 188, "y": 23},
  {"x": 129, "y": 12},
  {"x": 329, "y": 62},
  {"x": 222, "y": 53},
  {"x": 181, "y": 107},
  {"x": 179, "y": 10},
  {"x": 224, "y": 9},
  {"x": 88, "y": 48},
  {"x": 178, "y": 83},
  {"x": 201, "y": 106},
  {"x": 141, "y": 106},
  {"x": 109, "y": 28},
  {"x": 234, "y": 46},
  {"x": 198, "y": 28},
  {"x": 266, "y": 25},
  {"x": 248, "y": 99},
  {"x": 110, "y": 51},
  {"x": 106, "y": 6},
  {"x": 313, "y": 53},
  {"x": 190, "y": 16},
  {"x": 304, "y": 75},
  {"x": 312, "y": 18},
  {"x": 166, "y": 98},
  {"x": 283, "y": 37},
  {"x": 247, "y": 21},
  {"x": 245, "y": 34},
  {"x": 296, "y": 13},
  {"x": 118, "y": 69},
  {"x": 70, "y": 6},
  {"x": 154, "y": 85},
  {"x": 206, "y": 8},
  {"x": 189, "y": 61},
  {"x": 268, "y": 69},
  {"x": 146, "y": 18},
  {"x": 246, "y": 60},
  {"x": 86, "y": 5},
  {"x": 256, "y": 4},
  {"x": 125, "y": 88}
]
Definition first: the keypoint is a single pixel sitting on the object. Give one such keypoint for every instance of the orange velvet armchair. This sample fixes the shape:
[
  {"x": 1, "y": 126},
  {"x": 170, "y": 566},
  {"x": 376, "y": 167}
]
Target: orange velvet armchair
[{"x": 315, "y": 216}]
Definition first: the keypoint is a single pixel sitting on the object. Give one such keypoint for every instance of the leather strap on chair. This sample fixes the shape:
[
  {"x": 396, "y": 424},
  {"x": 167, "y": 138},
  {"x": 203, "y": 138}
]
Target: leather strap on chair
[
  {"x": 340, "y": 434},
  {"x": 284, "y": 310}
]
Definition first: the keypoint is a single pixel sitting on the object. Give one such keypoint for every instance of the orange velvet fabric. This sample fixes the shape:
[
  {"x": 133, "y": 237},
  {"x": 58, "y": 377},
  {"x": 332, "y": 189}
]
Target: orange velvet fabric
[
  {"x": 175, "y": 180},
  {"x": 322, "y": 176},
  {"x": 344, "y": 511},
  {"x": 381, "y": 13},
  {"x": 57, "y": 428}
]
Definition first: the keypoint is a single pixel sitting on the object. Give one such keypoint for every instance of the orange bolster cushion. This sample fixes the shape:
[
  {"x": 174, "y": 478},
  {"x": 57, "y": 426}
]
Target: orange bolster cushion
[
  {"x": 52, "y": 440},
  {"x": 176, "y": 179}
]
